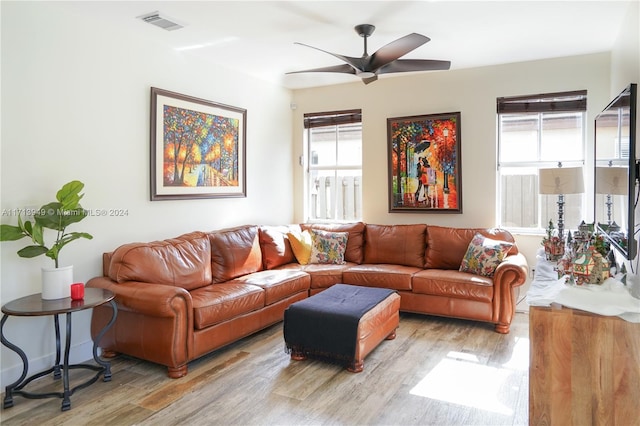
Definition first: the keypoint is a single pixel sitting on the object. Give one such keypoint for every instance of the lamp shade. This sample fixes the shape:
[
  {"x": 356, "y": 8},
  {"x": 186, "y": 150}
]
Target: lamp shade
[
  {"x": 611, "y": 180},
  {"x": 561, "y": 180}
]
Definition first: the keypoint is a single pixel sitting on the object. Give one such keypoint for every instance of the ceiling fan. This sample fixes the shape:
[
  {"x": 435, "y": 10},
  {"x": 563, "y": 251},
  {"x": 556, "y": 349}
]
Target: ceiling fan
[{"x": 384, "y": 61}]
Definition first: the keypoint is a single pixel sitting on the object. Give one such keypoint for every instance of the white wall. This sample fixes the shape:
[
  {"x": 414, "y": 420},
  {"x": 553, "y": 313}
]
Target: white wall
[
  {"x": 625, "y": 58},
  {"x": 75, "y": 105}
]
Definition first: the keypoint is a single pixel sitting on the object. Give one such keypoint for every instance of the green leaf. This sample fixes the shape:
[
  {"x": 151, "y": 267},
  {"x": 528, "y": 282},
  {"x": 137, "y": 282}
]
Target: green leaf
[
  {"x": 82, "y": 235},
  {"x": 37, "y": 234},
  {"x": 53, "y": 253},
  {"x": 69, "y": 195},
  {"x": 49, "y": 216},
  {"x": 11, "y": 233},
  {"x": 73, "y": 216},
  {"x": 54, "y": 216},
  {"x": 26, "y": 226},
  {"x": 32, "y": 251}
]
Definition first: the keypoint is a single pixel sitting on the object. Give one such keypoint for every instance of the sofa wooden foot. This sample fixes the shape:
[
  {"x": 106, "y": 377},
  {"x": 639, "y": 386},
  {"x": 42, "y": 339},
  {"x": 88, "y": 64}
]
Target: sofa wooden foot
[
  {"x": 107, "y": 353},
  {"x": 356, "y": 366},
  {"x": 502, "y": 328},
  {"x": 391, "y": 336},
  {"x": 177, "y": 372}
]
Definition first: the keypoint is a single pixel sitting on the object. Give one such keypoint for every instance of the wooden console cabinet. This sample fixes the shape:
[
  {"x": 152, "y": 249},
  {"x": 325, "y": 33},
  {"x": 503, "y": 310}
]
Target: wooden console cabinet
[{"x": 584, "y": 368}]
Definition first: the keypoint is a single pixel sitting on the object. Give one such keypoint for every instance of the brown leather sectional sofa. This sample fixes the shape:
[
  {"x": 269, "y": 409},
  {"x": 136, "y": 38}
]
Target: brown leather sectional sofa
[{"x": 181, "y": 298}]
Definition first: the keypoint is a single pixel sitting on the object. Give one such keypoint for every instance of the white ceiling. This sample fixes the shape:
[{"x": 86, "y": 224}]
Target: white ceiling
[{"x": 257, "y": 37}]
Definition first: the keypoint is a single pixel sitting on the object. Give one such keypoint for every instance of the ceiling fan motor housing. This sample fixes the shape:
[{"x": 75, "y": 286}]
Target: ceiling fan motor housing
[{"x": 365, "y": 30}]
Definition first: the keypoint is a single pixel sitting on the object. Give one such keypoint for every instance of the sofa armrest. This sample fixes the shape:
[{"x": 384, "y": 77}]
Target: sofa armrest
[
  {"x": 155, "y": 322},
  {"x": 510, "y": 274},
  {"x": 155, "y": 300},
  {"x": 516, "y": 269}
]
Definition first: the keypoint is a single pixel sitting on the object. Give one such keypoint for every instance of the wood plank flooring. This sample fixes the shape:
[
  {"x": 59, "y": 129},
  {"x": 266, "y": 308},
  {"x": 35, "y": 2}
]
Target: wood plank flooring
[{"x": 437, "y": 371}]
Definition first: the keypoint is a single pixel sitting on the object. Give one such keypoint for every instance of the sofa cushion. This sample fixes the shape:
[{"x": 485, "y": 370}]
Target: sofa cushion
[
  {"x": 235, "y": 252},
  {"x": 323, "y": 275},
  {"x": 327, "y": 246},
  {"x": 278, "y": 284},
  {"x": 355, "y": 242},
  {"x": 217, "y": 303},
  {"x": 396, "y": 277},
  {"x": 447, "y": 283},
  {"x": 275, "y": 246},
  {"x": 301, "y": 245},
  {"x": 446, "y": 246},
  {"x": 484, "y": 255},
  {"x": 395, "y": 244},
  {"x": 184, "y": 261}
]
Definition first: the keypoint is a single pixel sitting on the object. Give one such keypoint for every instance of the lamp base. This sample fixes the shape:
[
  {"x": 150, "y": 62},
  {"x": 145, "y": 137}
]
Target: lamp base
[{"x": 561, "y": 217}]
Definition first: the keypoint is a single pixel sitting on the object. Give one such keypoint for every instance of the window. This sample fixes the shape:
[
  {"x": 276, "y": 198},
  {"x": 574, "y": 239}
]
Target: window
[
  {"x": 334, "y": 173},
  {"x": 537, "y": 132}
]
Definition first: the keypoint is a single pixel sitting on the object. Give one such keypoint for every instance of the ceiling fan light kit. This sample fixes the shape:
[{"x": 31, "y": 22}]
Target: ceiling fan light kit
[{"x": 385, "y": 60}]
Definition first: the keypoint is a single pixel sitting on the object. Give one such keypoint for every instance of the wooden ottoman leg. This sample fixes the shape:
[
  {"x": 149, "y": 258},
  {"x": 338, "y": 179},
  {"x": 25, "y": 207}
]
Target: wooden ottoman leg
[
  {"x": 391, "y": 336},
  {"x": 297, "y": 355},
  {"x": 356, "y": 366}
]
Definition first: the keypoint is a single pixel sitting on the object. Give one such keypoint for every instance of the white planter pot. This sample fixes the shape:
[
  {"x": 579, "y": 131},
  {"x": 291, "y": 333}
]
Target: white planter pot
[{"x": 56, "y": 282}]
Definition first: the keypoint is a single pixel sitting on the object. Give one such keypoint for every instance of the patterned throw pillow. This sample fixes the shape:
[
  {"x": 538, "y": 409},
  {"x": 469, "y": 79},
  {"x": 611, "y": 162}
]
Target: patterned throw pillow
[
  {"x": 328, "y": 247},
  {"x": 301, "y": 245},
  {"x": 484, "y": 255}
]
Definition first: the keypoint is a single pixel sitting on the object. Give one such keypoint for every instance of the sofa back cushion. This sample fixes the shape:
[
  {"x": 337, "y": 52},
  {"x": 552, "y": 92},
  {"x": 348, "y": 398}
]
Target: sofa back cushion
[
  {"x": 447, "y": 246},
  {"x": 275, "y": 246},
  {"x": 184, "y": 261},
  {"x": 395, "y": 244},
  {"x": 235, "y": 252},
  {"x": 355, "y": 242}
]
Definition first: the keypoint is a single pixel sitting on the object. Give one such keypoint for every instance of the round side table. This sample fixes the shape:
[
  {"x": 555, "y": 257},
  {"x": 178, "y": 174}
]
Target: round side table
[{"x": 35, "y": 306}]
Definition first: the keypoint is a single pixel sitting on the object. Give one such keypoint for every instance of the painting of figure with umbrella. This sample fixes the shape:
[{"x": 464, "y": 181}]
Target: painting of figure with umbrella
[{"x": 424, "y": 163}]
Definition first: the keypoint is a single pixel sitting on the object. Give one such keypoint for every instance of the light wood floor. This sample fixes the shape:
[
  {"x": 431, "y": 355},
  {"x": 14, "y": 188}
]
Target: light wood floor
[{"x": 437, "y": 371}]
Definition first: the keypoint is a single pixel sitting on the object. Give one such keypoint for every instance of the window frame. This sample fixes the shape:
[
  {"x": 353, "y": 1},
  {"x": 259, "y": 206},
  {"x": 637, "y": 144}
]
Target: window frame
[
  {"x": 336, "y": 119},
  {"x": 538, "y": 105}
]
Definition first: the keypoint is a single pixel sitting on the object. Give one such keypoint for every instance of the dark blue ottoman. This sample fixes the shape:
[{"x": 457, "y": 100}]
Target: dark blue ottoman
[{"x": 343, "y": 323}]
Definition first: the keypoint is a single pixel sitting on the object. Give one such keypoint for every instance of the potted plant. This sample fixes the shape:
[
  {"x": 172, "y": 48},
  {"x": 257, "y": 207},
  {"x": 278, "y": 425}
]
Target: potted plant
[{"x": 56, "y": 215}]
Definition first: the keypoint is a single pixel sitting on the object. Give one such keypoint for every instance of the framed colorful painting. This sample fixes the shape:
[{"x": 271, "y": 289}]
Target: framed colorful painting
[
  {"x": 424, "y": 163},
  {"x": 197, "y": 148}
]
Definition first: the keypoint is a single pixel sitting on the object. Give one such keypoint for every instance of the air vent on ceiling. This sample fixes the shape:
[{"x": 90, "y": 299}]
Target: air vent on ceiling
[{"x": 155, "y": 18}]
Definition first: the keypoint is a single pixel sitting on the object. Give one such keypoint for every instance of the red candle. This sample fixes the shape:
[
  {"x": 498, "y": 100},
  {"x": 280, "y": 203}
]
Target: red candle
[{"x": 77, "y": 291}]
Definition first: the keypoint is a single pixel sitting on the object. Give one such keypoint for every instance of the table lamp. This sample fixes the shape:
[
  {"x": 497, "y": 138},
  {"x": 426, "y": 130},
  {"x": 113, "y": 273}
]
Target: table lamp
[
  {"x": 611, "y": 181},
  {"x": 561, "y": 181}
]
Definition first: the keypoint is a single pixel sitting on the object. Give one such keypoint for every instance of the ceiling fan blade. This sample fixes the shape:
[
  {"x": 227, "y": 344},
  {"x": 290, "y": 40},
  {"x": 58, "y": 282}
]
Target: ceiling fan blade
[
  {"x": 344, "y": 68},
  {"x": 356, "y": 63},
  {"x": 395, "y": 50},
  {"x": 408, "y": 65}
]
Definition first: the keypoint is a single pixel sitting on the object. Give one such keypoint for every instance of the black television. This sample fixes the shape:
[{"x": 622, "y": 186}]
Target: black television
[{"x": 616, "y": 172}]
